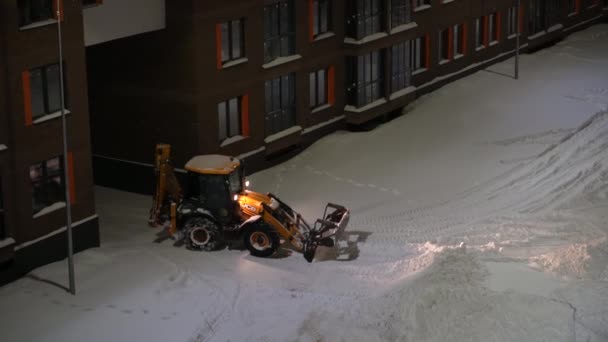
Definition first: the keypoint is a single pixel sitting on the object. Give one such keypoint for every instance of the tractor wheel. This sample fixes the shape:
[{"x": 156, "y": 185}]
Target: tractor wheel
[
  {"x": 261, "y": 240},
  {"x": 202, "y": 234}
]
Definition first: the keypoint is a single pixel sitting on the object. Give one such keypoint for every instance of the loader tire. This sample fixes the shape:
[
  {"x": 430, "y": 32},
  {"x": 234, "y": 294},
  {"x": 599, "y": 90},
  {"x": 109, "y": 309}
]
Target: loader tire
[
  {"x": 202, "y": 234},
  {"x": 261, "y": 240}
]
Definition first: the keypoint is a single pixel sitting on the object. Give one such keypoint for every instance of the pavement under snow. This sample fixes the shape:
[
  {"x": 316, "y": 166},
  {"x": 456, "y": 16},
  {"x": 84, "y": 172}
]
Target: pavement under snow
[{"x": 480, "y": 215}]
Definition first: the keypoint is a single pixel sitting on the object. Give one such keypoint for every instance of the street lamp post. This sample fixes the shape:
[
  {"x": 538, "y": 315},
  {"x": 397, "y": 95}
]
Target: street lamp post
[
  {"x": 518, "y": 32},
  {"x": 66, "y": 174}
]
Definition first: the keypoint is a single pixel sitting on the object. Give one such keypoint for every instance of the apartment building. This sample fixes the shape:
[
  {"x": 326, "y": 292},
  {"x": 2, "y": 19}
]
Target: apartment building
[
  {"x": 257, "y": 79},
  {"x": 32, "y": 193}
]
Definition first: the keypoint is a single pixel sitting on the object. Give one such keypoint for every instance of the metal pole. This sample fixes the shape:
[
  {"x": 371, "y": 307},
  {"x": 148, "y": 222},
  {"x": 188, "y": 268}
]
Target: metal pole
[
  {"x": 66, "y": 174},
  {"x": 518, "y": 29}
]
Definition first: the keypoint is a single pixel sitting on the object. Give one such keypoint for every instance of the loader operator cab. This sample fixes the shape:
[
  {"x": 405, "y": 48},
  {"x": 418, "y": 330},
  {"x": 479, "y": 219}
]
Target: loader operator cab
[{"x": 214, "y": 181}]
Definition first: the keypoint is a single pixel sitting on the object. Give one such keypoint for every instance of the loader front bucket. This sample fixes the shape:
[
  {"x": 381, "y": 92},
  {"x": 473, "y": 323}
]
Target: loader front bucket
[{"x": 326, "y": 230}]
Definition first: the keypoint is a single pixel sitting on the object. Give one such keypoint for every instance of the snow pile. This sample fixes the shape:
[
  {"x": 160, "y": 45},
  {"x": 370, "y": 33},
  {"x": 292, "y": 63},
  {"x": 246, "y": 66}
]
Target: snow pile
[
  {"x": 579, "y": 260},
  {"x": 446, "y": 302}
]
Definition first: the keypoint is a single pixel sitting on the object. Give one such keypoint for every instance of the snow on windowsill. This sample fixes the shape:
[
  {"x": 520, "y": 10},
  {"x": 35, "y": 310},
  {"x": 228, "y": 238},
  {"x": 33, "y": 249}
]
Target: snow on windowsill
[
  {"x": 572, "y": 14},
  {"x": 3, "y": 147},
  {"x": 458, "y": 55},
  {"x": 447, "y": 1},
  {"x": 354, "y": 109},
  {"x": 235, "y": 62},
  {"x": 404, "y": 27},
  {"x": 366, "y": 39},
  {"x": 250, "y": 153},
  {"x": 555, "y": 28},
  {"x": 323, "y": 36},
  {"x": 402, "y": 92},
  {"x": 419, "y": 71},
  {"x": 511, "y": 36},
  {"x": 322, "y": 124},
  {"x": 494, "y": 42},
  {"x": 38, "y": 24},
  {"x": 49, "y": 209},
  {"x": 90, "y": 6},
  {"x": 7, "y": 242},
  {"x": 444, "y": 61},
  {"x": 50, "y": 116},
  {"x": 537, "y": 35},
  {"x": 282, "y": 134},
  {"x": 320, "y": 108},
  {"x": 281, "y": 60},
  {"x": 231, "y": 140},
  {"x": 479, "y": 48},
  {"x": 422, "y": 8}
]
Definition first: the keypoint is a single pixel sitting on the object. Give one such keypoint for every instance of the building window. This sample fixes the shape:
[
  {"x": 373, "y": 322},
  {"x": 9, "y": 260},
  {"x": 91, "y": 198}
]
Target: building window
[
  {"x": 418, "y": 54},
  {"x": 421, "y": 3},
  {"x": 572, "y": 6},
  {"x": 321, "y": 17},
  {"x": 444, "y": 45},
  {"x": 554, "y": 10},
  {"x": 45, "y": 90},
  {"x": 366, "y": 75},
  {"x": 318, "y": 88},
  {"x": 400, "y": 66},
  {"x": 232, "y": 40},
  {"x": 280, "y": 102},
  {"x": 365, "y": 18},
  {"x": 229, "y": 116},
  {"x": 2, "y": 224},
  {"x": 494, "y": 33},
  {"x": 279, "y": 32},
  {"x": 47, "y": 184},
  {"x": 479, "y": 33},
  {"x": 32, "y": 11},
  {"x": 512, "y": 21},
  {"x": 588, "y": 3},
  {"x": 536, "y": 16},
  {"x": 400, "y": 12},
  {"x": 458, "y": 40}
]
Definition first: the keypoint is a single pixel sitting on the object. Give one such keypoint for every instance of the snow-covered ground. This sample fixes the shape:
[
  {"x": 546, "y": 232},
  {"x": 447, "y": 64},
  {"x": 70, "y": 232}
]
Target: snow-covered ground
[{"x": 481, "y": 215}]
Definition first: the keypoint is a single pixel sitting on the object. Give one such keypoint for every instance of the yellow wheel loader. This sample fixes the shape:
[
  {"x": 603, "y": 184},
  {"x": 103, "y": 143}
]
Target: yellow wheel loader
[{"x": 215, "y": 208}]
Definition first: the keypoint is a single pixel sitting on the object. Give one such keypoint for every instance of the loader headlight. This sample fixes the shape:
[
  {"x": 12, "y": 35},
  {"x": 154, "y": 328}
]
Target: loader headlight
[
  {"x": 236, "y": 197},
  {"x": 247, "y": 183}
]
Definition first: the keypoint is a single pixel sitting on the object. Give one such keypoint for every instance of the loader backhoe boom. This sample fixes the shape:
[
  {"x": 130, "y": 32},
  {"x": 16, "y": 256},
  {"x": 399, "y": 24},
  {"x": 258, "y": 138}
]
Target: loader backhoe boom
[{"x": 167, "y": 190}]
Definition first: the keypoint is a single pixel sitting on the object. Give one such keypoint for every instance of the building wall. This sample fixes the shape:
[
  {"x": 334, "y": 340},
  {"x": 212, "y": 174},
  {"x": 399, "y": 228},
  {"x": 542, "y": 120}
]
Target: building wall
[
  {"x": 32, "y": 142},
  {"x": 186, "y": 51},
  {"x": 129, "y": 17}
]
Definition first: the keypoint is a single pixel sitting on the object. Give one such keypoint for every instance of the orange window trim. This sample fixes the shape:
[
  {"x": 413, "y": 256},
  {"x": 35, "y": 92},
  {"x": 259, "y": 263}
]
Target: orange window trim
[
  {"x": 451, "y": 43},
  {"x": 486, "y": 38},
  {"x": 464, "y": 38},
  {"x": 61, "y": 16},
  {"x": 498, "y": 25},
  {"x": 311, "y": 20},
  {"x": 331, "y": 85},
  {"x": 245, "y": 115},
  {"x": 27, "y": 97},
  {"x": 218, "y": 45},
  {"x": 71, "y": 175},
  {"x": 578, "y": 6},
  {"x": 427, "y": 46}
]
